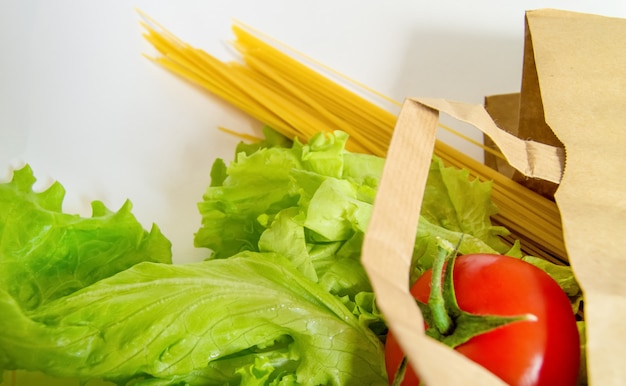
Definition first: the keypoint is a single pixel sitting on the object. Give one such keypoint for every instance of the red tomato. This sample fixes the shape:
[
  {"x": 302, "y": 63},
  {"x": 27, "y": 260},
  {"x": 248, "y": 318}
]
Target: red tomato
[{"x": 545, "y": 351}]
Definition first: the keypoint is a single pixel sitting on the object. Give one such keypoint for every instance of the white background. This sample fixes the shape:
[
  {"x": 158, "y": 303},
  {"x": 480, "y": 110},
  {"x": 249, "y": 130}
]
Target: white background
[{"x": 81, "y": 105}]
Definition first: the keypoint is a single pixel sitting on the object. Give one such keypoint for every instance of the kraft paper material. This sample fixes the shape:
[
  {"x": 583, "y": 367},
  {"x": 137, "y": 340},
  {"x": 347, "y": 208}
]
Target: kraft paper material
[
  {"x": 532, "y": 124},
  {"x": 388, "y": 247},
  {"x": 581, "y": 66},
  {"x": 504, "y": 109}
]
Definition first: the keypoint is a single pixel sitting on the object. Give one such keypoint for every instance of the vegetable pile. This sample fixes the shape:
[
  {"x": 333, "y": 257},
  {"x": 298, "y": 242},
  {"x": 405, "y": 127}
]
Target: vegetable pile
[{"x": 281, "y": 299}]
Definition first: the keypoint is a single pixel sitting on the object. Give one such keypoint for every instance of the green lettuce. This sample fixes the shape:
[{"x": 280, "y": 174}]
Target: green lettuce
[
  {"x": 46, "y": 254},
  {"x": 251, "y": 319},
  {"x": 98, "y": 298},
  {"x": 312, "y": 203}
]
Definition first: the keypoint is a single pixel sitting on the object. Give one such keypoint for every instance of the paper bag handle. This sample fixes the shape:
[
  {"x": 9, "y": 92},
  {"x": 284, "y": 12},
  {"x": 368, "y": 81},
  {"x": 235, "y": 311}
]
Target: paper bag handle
[{"x": 388, "y": 247}]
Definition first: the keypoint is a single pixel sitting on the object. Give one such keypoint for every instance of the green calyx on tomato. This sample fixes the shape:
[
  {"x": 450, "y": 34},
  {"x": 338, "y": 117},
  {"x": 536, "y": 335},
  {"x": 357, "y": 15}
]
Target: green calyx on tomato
[
  {"x": 445, "y": 320},
  {"x": 501, "y": 312}
]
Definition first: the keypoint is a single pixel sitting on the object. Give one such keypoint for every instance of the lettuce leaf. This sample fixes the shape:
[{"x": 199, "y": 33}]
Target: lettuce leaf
[
  {"x": 456, "y": 202},
  {"x": 46, "y": 254},
  {"x": 91, "y": 298},
  {"x": 249, "y": 319},
  {"x": 255, "y": 185},
  {"x": 312, "y": 203}
]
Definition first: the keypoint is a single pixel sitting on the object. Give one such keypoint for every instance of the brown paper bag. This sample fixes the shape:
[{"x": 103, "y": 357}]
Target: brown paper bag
[
  {"x": 581, "y": 72},
  {"x": 504, "y": 109}
]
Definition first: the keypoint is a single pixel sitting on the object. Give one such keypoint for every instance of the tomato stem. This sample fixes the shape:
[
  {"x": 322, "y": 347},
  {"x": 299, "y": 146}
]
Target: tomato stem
[
  {"x": 447, "y": 322},
  {"x": 436, "y": 300}
]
